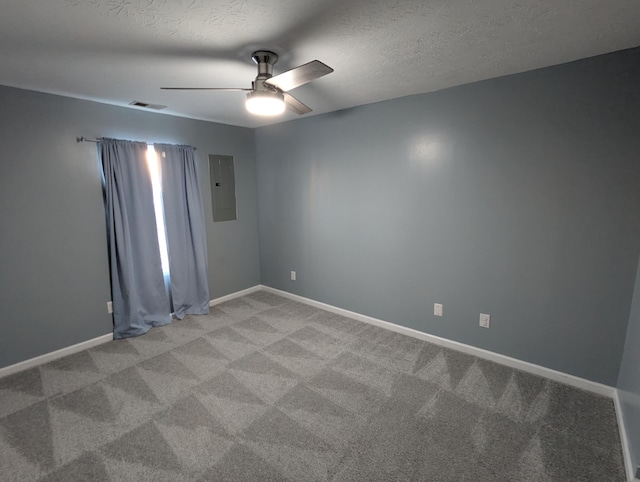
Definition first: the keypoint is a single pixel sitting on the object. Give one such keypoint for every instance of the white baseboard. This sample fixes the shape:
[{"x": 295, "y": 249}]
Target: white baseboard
[
  {"x": 479, "y": 352},
  {"x": 554, "y": 375},
  {"x": 70, "y": 350},
  {"x": 54, "y": 355},
  {"x": 237, "y": 294},
  {"x": 631, "y": 470},
  {"x": 549, "y": 373}
]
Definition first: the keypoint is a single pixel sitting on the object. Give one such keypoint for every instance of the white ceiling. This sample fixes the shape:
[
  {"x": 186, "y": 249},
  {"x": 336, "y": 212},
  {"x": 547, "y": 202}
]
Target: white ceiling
[{"x": 117, "y": 51}]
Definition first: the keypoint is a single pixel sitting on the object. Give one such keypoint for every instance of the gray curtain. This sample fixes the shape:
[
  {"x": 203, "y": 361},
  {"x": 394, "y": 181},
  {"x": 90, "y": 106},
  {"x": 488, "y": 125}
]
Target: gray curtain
[
  {"x": 140, "y": 299},
  {"x": 186, "y": 236}
]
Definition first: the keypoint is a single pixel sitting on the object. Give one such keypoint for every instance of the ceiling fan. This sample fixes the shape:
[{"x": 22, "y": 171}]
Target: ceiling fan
[{"x": 269, "y": 95}]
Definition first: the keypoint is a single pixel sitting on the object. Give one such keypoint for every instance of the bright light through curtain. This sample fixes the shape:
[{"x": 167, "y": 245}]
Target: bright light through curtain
[
  {"x": 140, "y": 299},
  {"x": 156, "y": 184},
  {"x": 186, "y": 236}
]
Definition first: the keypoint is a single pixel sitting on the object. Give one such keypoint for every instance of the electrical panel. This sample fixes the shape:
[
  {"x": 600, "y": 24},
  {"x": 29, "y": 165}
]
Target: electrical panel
[{"x": 223, "y": 187}]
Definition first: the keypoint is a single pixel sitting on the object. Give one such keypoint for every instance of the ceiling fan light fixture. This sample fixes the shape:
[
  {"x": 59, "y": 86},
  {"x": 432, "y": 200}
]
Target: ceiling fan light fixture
[{"x": 266, "y": 103}]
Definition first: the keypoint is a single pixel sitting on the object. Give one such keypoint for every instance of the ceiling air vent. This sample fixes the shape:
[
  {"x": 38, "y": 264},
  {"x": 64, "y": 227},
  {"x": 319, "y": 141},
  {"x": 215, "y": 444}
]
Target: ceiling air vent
[{"x": 146, "y": 105}]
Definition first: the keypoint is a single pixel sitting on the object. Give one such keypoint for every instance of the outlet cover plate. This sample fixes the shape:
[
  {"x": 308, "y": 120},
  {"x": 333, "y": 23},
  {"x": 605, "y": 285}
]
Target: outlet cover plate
[
  {"x": 437, "y": 309},
  {"x": 485, "y": 320}
]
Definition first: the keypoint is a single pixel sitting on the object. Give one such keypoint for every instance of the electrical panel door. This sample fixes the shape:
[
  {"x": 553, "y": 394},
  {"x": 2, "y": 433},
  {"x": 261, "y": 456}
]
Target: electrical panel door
[{"x": 223, "y": 187}]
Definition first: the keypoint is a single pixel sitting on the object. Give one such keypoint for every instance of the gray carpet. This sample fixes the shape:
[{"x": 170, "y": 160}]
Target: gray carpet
[{"x": 270, "y": 389}]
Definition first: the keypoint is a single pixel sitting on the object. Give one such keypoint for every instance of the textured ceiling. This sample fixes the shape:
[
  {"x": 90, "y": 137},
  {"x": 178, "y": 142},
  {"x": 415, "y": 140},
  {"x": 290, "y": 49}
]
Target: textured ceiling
[{"x": 117, "y": 51}]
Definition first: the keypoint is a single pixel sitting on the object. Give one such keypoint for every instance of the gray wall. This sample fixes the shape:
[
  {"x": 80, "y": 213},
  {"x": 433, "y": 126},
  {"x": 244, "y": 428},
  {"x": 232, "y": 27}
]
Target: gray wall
[
  {"x": 516, "y": 197},
  {"x": 54, "y": 281},
  {"x": 629, "y": 379}
]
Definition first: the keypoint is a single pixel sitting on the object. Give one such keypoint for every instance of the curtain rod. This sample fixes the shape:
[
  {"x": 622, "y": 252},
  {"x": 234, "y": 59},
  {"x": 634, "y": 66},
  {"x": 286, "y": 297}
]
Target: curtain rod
[{"x": 84, "y": 139}]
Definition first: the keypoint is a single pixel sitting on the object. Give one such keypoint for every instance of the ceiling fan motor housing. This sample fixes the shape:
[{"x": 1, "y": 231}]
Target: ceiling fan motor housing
[{"x": 265, "y": 61}]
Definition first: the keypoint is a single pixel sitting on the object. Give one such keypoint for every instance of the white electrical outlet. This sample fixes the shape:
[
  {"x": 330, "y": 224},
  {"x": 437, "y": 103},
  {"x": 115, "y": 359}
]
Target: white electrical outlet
[
  {"x": 437, "y": 309},
  {"x": 485, "y": 320},
  {"x": 293, "y": 276},
  {"x": 109, "y": 306}
]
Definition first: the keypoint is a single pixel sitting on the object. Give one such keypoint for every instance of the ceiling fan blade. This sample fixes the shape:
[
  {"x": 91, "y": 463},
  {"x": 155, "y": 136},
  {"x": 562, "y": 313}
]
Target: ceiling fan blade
[
  {"x": 300, "y": 75},
  {"x": 228, "y": 89},
  {"x": 295, "y": 105}
]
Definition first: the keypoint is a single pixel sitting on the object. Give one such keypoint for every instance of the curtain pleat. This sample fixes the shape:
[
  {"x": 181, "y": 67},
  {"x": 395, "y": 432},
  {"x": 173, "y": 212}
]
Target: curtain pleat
[
  {"x": 140, "y": 299},
  {"x": 186, "y": 235}
]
